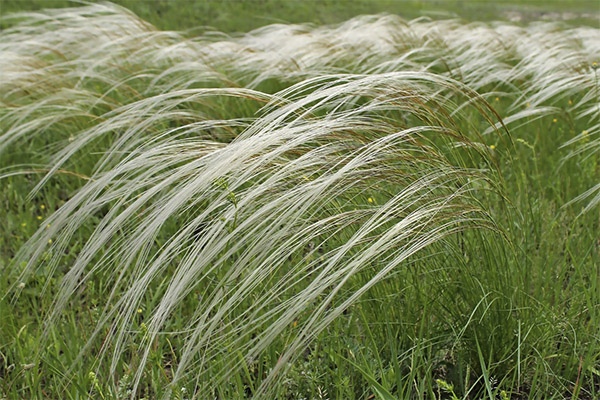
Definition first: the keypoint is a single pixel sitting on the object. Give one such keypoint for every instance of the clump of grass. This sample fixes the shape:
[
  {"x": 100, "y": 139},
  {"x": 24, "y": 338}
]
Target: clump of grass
[{"x": 243, "y": 222}]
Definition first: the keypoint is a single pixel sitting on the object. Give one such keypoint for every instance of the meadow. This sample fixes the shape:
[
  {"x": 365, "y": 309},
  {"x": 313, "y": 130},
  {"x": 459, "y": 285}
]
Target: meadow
[{"x": 377, "y": 207}]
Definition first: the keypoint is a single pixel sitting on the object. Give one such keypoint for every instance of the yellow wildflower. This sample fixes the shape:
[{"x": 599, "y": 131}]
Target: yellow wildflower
[
  {"x": 492, "y": 147},
  {"x": 585, "y": 136},
  {"x": 370, "y": 200},
  {"x": 528, "y": 105},
  {"x": 39, "y": 217},
  {"x": 42, "y": 206},
  {"x": 555, "y": 120},
  {"x": 23, "y": 224}
]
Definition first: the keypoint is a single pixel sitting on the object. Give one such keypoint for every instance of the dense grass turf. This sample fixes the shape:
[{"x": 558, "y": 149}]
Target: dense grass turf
[
  {"x": 377, "y": 209},
  {"x": 243, "y": 16}
]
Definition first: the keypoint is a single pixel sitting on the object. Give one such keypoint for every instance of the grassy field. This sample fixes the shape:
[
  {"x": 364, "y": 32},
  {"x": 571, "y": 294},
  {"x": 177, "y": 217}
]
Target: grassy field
[
  {"x": 381, "y": 208},
  {"x": 243, "y": 16}
]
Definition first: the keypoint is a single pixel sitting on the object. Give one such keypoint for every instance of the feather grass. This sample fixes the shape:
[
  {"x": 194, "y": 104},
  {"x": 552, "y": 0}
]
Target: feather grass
[{"x": 271, "y": 177}]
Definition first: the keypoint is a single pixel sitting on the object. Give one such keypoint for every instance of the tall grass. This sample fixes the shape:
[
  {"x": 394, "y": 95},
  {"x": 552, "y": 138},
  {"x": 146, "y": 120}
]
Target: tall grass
[{"x": 251, "y": 194}]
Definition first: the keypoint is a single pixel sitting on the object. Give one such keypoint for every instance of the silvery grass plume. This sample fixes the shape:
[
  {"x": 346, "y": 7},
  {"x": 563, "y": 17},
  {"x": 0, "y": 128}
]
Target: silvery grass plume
[
  {"x": 338, "y": 175},
  {"x": 65, "y": 70},
  {"x": 70, "y": 70},
  {"x": 585, "y": 145},
  {"x": 104, "y": 48}
]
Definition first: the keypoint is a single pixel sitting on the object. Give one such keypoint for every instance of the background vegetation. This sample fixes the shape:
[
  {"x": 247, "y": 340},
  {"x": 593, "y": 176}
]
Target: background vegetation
[{"x": 243, "y": 16}]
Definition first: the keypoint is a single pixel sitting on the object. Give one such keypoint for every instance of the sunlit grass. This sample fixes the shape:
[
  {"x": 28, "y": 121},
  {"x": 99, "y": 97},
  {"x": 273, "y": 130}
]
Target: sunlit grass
[{"x": 386, "y": 208}]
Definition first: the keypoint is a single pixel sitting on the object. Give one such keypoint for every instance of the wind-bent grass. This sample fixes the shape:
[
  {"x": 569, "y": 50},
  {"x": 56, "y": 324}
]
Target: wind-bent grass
[
  {"x": 291, "y": 179},
  {"x": 250, "y": 195}
]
